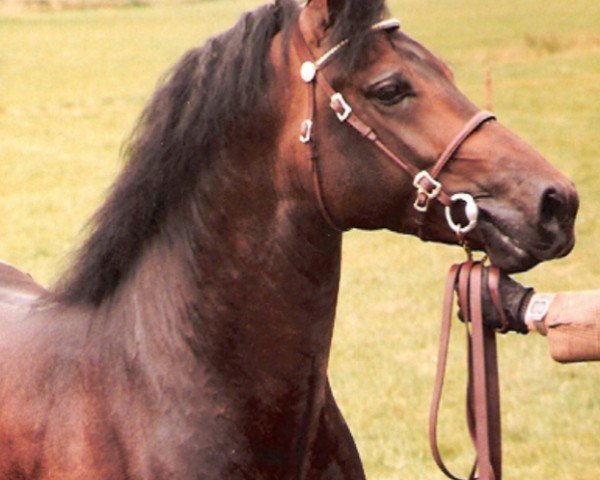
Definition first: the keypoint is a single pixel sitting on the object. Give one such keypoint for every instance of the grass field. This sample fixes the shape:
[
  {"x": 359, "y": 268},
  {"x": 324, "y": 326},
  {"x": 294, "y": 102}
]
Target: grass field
[{"x": 72, "y": 84}]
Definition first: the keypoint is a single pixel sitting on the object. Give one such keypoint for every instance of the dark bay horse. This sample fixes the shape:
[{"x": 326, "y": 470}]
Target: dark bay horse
[{"x": 190, "y": 338}]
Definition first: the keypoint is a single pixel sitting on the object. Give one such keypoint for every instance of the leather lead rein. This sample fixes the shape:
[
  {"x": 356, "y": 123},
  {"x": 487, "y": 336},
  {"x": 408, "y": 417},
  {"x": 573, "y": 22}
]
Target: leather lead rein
[{"x": 483, "y": 392}]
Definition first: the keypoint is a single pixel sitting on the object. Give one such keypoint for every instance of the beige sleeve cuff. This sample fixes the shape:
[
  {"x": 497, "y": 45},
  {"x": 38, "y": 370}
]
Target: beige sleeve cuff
[{"x": 572, "y": 323}]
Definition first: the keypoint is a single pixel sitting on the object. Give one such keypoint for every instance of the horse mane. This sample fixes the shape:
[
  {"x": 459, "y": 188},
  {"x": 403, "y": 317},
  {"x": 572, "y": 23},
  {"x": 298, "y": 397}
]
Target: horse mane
[
  {"x": 354, "y": 21},
  {"x": 202, "y": 105}
]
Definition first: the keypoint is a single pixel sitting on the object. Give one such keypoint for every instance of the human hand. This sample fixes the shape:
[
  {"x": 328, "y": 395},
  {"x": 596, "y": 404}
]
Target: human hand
[{"x": 514, "y": 298}]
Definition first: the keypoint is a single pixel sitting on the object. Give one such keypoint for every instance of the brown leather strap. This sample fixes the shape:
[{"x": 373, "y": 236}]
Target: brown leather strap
[
  {"x": 494, "y": 287},
  {"x": 486, "y": 394},
  {"x": 305, "y": 53},
  {"x": 483, "y": 392},
  {"x": 441, "y": 369},
  {"x": 471, "y": 126}
]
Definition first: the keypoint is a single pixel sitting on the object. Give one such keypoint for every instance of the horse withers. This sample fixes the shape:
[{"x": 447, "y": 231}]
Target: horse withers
[{"x": 190, "y": 337}]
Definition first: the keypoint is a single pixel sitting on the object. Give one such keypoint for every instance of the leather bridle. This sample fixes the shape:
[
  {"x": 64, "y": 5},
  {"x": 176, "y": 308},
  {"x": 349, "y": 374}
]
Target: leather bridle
[
  {"x": 483, "y": 401},
  {"x": 428, "y": 187}
]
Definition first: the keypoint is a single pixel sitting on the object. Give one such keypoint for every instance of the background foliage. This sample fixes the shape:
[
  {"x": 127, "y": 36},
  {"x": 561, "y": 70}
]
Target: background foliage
[{"x": 72, "y": 84}]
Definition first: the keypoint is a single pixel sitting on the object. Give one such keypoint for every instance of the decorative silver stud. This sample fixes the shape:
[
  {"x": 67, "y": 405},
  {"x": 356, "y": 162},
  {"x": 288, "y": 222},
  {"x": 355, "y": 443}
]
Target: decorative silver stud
[{"x": 308, "y": 71}]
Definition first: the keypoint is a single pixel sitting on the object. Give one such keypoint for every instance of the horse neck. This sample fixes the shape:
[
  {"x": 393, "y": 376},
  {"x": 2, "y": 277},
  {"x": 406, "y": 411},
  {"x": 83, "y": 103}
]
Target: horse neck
[{"x": 245, "y": 283}]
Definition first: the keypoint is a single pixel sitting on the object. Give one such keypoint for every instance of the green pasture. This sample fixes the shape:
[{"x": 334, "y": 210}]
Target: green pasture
[{"x": 72, "y": 84}]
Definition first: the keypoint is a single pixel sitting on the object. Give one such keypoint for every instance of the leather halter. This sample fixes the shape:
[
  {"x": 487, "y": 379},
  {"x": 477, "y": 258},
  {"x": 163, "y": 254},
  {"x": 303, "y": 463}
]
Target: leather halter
[
  {"x": 425, "y": 181},
  {"x": 483, "y": 392}
]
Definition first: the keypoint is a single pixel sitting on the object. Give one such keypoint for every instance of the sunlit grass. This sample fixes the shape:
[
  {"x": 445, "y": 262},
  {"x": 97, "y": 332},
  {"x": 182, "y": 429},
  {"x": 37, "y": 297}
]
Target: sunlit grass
[{"x": 73, "y": 83}]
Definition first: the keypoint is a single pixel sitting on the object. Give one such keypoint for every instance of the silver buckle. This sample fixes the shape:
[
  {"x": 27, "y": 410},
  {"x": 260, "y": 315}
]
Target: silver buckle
[
  {"x": 421, "y": 208},
  {"x": 471, "y": 212},
  {"x": 347, "y": 109},
  {"x": 306, "y": 131},
  {"x": 430, "y": 194}
]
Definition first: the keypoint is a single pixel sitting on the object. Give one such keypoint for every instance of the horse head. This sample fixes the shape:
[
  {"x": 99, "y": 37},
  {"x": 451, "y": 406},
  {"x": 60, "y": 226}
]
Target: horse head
[{"x": 375, "y": 109}]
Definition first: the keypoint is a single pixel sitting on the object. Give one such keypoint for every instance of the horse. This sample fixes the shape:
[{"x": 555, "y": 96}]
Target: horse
[{"x": 190, "y": 336}]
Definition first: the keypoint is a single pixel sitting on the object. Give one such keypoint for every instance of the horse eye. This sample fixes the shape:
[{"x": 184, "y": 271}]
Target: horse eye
[{"x": 391, "y": 92}]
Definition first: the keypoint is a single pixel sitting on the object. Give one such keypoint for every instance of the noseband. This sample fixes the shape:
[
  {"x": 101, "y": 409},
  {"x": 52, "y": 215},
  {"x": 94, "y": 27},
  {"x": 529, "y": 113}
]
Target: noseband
[{"x": 428, "y": 187}]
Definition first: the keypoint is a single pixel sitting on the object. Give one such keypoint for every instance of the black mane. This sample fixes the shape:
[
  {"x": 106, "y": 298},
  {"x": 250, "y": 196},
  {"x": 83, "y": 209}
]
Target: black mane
[
  {"x": 354, "y": 21},
  {"x": 204, "y": 101}
]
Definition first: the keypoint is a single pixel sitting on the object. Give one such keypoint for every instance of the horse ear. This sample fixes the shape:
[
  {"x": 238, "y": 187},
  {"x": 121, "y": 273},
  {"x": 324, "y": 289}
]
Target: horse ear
[
  {"x": 322, "y": 14},
  {"x": 331, "y": 6}
]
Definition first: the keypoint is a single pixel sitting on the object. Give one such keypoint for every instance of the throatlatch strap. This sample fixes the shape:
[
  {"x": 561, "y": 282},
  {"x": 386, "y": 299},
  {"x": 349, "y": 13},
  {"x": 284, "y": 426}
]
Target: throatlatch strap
[{"x": 483, "y": 391}]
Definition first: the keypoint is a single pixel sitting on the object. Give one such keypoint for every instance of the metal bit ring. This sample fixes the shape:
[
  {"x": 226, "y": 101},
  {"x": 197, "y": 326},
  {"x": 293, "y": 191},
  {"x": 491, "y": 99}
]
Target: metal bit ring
[{"x": 471, "y": 212}]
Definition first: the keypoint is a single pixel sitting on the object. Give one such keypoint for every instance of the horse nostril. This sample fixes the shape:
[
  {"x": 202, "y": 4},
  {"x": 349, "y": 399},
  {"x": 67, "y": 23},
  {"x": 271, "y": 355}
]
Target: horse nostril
[
  {"x": 553, "y": 207},
  {"x": 557, "y": 211}
]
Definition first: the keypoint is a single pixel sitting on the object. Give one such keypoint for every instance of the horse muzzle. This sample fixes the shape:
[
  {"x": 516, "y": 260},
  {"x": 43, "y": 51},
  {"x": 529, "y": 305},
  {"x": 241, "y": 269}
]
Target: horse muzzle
[{"x": 517, "y": 241}]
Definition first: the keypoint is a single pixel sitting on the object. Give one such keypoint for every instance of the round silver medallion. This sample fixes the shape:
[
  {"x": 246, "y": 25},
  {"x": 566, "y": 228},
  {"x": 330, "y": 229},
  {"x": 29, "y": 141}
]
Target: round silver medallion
[{"x": 308, "y": 72}]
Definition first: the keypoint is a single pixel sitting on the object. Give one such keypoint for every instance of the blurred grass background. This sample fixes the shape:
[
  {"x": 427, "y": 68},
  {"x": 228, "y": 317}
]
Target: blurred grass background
[{"x": 72, "y": 84}]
